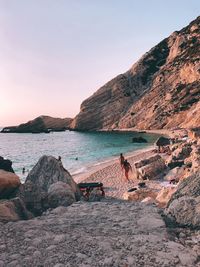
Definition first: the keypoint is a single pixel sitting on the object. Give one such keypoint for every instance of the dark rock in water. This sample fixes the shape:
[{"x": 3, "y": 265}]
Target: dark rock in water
[
  {"x": 6, "y": 165},
  {"x": 13, "y": 210},
  {"x": 9, "y": 182},
  {"x": 38, "y": 191},
  {"x": 139, "y": 140},
  {"x": 163, "y": 141},
  {"x": 184, "y": 205}
]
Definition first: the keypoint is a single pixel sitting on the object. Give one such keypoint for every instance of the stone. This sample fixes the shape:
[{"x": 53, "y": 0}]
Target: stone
[
  {"x": 150, "y": 168},
  {"x": 140, "y": 194},
  {"x": 176, "y": 174},
  {"x": 182, "y": 152},
  {"x": 60, "y": 194},
  {"x": 9, "y": 182},
  {"x": 184, "y": 205},
  {"x": 165, "y": 194},
  {"x": 109, "y": 233},
  {"x": 6, "y": 165},
  {"x": 162, "y": 141},
  {"x": 45, "y": 173},
  {"x": 13, "y": 210}
]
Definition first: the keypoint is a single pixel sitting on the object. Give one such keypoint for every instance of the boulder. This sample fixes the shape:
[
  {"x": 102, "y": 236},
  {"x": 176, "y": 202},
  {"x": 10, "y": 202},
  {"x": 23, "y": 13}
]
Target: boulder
[
  {"x": 184, "y": 205},
  {"x": 45, "y": 173},
  {"x": 139, "y": 140},
  {"x": 60, "y": 194},
  {"x": 163, "y": 141},
  {"x": 165, "y": 194},
  {"x": 182, "y": 152},
  {"x": 140, "y": 194},
  {"x": 176, "y": 173},
  {"x": 148, "y": 200},
  {"x": 13, "y": 210},
  {"x": 150, "y": 168},
  {"x": 6, "y": 165},
  {"x": 8, "y": 183}
]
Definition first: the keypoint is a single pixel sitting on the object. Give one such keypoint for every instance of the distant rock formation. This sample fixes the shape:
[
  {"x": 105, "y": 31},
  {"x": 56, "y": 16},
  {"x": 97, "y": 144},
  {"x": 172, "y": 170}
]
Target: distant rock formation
[
  {"x": 42, "y": 124},
  {"x": 161, "y": 90}
]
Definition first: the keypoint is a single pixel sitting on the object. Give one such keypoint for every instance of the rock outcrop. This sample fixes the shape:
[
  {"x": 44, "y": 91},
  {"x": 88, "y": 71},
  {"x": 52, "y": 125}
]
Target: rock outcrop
[
  {"x": 6, "y": 165},
  {"x": 9, "y": 182},
  {"x": 60, "y": 194},
  {"x": 184, "y": 205},
  {"x": 95, "y": 234},
  {"x": 13, "y": 210},
  {"x": 41, "y": 189},
  {"x": 151, "y": 168},
  {"x": 161, "y": 90},
  {"x": 42, "y": 124}
]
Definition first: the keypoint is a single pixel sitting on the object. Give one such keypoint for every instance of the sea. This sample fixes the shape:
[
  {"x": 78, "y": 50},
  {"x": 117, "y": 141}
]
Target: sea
[{"x": 79, "y": 151}]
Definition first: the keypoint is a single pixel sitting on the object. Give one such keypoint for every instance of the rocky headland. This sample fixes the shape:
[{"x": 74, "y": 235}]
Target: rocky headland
[
  {"x": 42, "y": 124},
  {"x": 161, "y": 90}
]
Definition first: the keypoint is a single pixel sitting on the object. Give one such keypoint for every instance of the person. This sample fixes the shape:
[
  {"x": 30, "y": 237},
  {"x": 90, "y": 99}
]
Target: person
[
  {"x": 121, "y": 160},
  {"x": 23, "y": 170},
  {"x": 59, "y": 158},
  {"x": 127, "y": 167}
]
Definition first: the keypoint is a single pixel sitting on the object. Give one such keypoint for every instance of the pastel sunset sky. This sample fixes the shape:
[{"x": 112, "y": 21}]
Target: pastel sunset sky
[{"x": 56, "y": 53}]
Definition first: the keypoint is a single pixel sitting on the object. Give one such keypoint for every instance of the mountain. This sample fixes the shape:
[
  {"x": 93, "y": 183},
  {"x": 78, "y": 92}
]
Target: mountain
[
  {"x": 39, "y": 125},
  {"x": 161, "y": 90}
]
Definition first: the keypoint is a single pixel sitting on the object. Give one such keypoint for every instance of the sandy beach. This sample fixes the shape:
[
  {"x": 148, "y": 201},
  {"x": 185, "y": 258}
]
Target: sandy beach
[{"x": 112, "y": 176}]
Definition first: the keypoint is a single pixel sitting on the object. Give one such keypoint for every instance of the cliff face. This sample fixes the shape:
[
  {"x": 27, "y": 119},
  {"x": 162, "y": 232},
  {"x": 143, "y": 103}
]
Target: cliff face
[
  {"x": 40, "y": 124},
  {"x": 161, "y": 90}
]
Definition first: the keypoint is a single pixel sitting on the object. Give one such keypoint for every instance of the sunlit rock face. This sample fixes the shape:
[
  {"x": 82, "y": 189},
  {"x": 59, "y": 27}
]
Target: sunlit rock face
[{"x": 161, "y": 90}]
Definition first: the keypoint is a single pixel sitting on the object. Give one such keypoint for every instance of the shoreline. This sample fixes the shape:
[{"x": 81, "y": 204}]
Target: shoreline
[{"x": 115, "y": 160}]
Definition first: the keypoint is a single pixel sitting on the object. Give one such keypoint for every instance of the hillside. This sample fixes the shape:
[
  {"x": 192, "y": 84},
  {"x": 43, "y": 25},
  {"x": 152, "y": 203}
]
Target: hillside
[
  {"x": 161, "y": 90},
  {"x": 40, "y": 124}
]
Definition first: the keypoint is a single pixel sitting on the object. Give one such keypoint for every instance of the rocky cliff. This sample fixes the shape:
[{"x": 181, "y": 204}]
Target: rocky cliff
[
  {"x": 40, "y": 124},
  {"x": 161, "y": 90}
]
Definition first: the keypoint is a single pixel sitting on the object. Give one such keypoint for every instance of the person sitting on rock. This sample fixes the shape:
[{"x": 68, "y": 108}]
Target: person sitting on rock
[{"x": 127, "y": 167}]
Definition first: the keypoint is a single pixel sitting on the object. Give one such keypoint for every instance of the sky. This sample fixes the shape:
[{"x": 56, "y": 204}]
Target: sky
[{"x": 56, "y": 53}]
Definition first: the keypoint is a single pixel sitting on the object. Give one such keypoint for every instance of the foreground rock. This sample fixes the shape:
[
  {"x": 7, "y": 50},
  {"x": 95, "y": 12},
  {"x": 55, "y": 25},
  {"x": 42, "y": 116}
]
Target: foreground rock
[
  {"x": 42, "y": 124},
  {"x": 6, "y": 165},
  {"x": 9, "y": 182},
  {"x": 41, "y": 189},
  {"x": 184, "y": 206},
  {"x": 94, "y": 234},
  {"x": 13, "y": 210}
]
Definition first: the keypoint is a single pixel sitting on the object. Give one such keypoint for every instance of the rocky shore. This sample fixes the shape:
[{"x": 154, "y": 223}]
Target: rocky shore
[{"x": 153, "y": 220}]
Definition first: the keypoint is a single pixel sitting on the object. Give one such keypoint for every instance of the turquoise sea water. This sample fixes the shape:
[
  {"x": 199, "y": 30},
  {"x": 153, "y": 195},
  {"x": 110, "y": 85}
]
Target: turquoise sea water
[{"x": 91, "y": 148}]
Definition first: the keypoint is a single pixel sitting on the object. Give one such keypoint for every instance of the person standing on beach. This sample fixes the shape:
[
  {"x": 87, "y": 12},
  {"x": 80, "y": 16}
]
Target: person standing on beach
[
  {"x": 121, "y": 160},
  {"x": 127, "y": 167}
]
